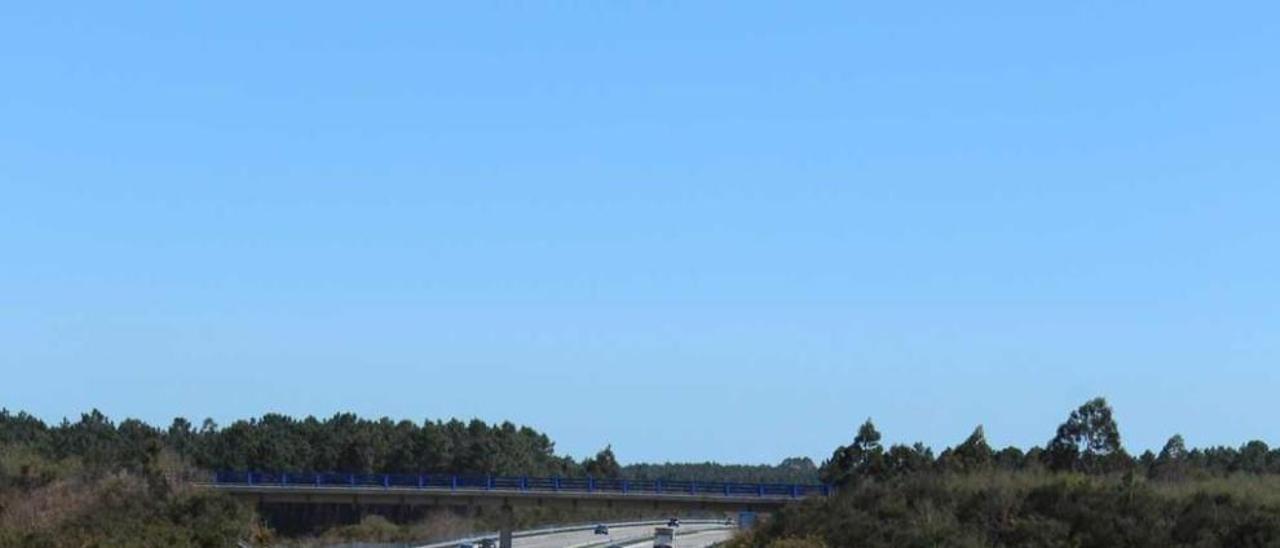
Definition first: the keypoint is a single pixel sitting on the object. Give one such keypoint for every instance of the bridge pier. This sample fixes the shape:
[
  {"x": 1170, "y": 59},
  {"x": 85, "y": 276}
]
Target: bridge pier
[{"x": 507, "y": 526}]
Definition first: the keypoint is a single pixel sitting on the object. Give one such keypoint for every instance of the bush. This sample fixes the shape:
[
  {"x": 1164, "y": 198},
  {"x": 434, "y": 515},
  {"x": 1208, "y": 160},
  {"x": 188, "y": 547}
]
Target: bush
[
  {"x": 807, "y": 542},
  {"x": 370, "y": 529},
  {"x": 1030, "y": 509}
]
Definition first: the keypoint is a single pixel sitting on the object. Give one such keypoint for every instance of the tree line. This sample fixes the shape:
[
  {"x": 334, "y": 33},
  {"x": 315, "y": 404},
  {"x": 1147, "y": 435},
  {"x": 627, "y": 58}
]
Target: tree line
[
  {"x": 96, "y": 482},
  {"x": 1080, "y": 489},
  {"x": 348, "y": 443},
  {"x": 1087, "y": 442},
  {"x": 274, "y": 442},
  {"x": 790, "y": 470}
]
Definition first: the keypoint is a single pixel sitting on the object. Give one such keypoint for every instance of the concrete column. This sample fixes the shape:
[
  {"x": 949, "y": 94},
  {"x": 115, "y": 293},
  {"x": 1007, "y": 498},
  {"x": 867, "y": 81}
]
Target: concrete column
[{"x": 508, "y": 525}]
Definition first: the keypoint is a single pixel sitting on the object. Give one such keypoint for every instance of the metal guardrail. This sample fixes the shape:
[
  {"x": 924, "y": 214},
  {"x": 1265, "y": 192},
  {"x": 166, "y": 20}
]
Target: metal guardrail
[{"x": 454, "y": 482}]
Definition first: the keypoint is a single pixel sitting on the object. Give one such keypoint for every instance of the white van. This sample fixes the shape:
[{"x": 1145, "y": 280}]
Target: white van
[{"x": 664, "y": 537}]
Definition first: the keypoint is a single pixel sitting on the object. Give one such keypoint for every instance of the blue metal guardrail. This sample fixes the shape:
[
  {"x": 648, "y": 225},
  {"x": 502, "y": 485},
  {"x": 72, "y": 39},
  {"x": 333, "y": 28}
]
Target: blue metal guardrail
[{"x": 453, "y": 482}]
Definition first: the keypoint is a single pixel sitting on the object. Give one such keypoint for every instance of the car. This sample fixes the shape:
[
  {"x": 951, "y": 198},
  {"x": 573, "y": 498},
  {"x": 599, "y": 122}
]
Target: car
[
  {"x": 673, "y": 522},
  {"x": 489, "y": 543},
  {"x": 602, "y": 529},
  {"x": 466, "y": 545},
  {"x": 728, "y": 521}
]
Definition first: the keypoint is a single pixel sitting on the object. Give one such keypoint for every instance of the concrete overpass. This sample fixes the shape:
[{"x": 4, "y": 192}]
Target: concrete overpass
[
  {"x": 501, "y": 494},
  {"x": 498, "y": 491}
]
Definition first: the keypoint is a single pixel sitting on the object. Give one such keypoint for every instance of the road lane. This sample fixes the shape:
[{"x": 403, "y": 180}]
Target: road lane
[
  {"x": 621, "y": 534},
  {"x": 702, "y": 539},
  {"x": 578, "y": 539}
]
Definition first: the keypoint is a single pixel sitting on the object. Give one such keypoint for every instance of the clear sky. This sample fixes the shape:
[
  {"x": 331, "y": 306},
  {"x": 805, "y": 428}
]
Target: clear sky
[{"x": 694, "y": 230}]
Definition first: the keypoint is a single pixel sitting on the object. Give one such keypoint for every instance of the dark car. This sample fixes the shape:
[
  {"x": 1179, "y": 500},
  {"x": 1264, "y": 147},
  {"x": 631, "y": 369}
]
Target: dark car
[
  {"x": 673, "y": 522},
  {"x": 489, "y": 543},
  {"x": 602, "y": 529}
]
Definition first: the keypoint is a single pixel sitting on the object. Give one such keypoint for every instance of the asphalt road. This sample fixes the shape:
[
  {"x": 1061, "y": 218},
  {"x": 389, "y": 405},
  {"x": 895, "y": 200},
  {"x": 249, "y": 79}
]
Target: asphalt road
[
  {"x": 701, "y": 539},
  {"x": 578, "y": 539}
]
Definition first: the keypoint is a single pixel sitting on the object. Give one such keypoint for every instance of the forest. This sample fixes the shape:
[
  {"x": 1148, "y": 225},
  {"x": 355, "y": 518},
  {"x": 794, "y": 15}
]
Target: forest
[
  {"x": 95, "y": 482},
  {"x": 1081, "y": 489}
]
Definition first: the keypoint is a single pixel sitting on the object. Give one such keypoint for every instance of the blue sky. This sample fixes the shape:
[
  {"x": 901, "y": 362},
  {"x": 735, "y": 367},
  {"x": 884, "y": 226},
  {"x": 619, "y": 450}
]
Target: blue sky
[{"x": 706, "y": 230}]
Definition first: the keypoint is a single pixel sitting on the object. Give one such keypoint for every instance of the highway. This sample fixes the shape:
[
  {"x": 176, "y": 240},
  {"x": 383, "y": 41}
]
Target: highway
[
  {"x": 701, "y": 539},
  {"x": 582, "y": 539},
  {"x": 692, "y": 535}
]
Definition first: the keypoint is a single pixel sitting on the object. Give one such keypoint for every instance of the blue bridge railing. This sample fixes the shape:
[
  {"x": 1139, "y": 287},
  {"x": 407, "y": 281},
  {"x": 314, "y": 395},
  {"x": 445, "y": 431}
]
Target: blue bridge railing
[{"x": 453, "y": 482}]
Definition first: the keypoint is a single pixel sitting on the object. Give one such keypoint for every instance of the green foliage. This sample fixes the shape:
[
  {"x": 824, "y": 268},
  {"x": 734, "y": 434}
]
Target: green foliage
[
  {"x": 1028, "y": 509},
  {"x": 790, "y": 470},
  {"x": 1089, "y": 441},
  {"x": 96, "y": 483},
  {"x": 22, "y": 467},
  {"x": 863, "y": 459},
  {"x": 789, "y": 542},
  {"x": 343, "y": 442},
  {"x": 972, "y": 455},
  {"x": 603, "y": 465},
  {"x": 1088, "y": 493},
  {"x": 1172, "y": 462},
  {"x": 807, "y": 542},
  {"x": 904, "y": 460}
]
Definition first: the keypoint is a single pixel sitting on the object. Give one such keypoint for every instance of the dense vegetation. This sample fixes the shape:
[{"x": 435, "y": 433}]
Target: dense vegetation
[
  {"x": 97, "y": 483},
  {"x": 347, "y": 443},
  {"x": 1082, "y": 489},
  {"x": 792, "y": 470},
  {"x": 78, "y": 501},
  {"x": 93, "y": 480}
]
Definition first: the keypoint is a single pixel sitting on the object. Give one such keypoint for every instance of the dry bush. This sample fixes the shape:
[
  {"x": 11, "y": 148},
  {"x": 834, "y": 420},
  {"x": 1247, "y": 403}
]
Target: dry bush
[
  {"x": 44, "y": 507},
  {"x": 22, "y": 468},
  {"x": 177, "y": 473},
  {"x": 807, "y": 542},
  {"x": 441, "y": 526},
  {"x": 48, "y": 506},
  {"x": 748, "y": 540},
  {"x": 373, "y": 528},
  {"x": 1264, "y": 489}
]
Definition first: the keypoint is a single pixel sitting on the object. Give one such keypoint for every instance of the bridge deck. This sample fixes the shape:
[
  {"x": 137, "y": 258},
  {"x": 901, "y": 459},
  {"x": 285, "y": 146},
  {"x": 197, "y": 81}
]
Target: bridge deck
[{"x": 468, "y": 490}]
